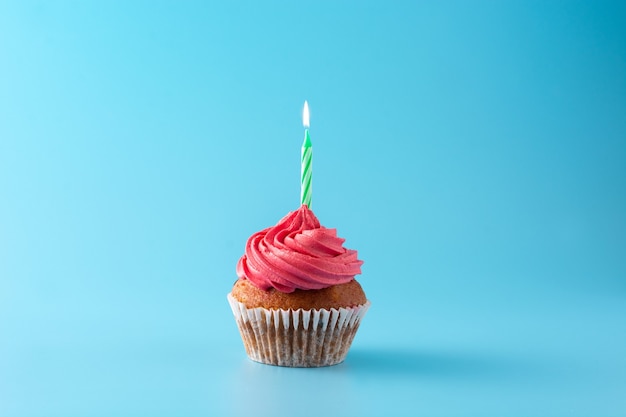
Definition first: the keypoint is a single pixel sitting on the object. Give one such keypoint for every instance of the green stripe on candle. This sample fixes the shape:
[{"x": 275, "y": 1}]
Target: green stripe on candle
[{"x": 306, "y": 170}]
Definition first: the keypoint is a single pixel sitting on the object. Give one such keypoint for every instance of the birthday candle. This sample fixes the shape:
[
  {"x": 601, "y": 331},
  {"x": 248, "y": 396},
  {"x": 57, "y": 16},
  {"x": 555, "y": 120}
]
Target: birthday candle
[{"x": 307, "y": 156}]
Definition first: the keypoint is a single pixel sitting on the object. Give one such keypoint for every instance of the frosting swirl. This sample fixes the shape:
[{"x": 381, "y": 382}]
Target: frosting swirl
[{"x": 297, "y": 253}]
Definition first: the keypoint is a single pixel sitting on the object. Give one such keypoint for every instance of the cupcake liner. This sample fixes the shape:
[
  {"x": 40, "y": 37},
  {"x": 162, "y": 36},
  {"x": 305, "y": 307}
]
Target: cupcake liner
[{"x": 297, "y": 338}]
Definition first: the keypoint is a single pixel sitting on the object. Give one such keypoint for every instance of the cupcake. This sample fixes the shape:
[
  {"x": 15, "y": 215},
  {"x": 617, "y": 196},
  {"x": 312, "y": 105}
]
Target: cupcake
[{"x": 296, "y": 301}]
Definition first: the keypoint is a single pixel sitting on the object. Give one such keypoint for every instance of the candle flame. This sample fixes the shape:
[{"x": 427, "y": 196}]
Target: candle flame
[{"x": 305, "y": 114}]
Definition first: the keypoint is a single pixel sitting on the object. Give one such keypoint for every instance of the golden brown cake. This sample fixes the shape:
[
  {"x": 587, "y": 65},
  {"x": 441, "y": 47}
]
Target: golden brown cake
[{"x": 343, "y": 295}]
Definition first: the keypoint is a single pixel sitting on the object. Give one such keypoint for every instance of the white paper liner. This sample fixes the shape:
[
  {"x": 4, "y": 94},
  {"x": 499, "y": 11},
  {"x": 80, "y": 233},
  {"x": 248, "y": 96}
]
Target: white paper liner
[{"x": 297, "y": 338}]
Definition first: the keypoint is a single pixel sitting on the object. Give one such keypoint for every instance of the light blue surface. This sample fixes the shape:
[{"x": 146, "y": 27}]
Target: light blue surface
[{"x": 473, "y": 152}]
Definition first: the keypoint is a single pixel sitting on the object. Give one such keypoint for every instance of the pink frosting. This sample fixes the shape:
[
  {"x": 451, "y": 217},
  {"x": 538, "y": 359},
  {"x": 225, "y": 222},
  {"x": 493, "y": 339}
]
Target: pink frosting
[{"x": 297, "y": 253}]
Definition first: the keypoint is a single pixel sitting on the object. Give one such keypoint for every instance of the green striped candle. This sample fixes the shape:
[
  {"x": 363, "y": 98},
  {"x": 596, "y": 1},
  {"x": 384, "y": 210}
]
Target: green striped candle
[{"x": 307, "y": 156}]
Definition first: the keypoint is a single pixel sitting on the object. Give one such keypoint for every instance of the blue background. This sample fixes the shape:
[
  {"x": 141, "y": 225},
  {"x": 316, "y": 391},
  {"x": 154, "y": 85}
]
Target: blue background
[{"x": 473, "y": 152}]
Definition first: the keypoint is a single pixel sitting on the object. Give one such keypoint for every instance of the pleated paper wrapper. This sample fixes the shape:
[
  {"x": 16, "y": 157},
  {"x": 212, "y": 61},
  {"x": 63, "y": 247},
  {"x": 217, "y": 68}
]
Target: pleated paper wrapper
[{"x": 297, "y": 338}]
